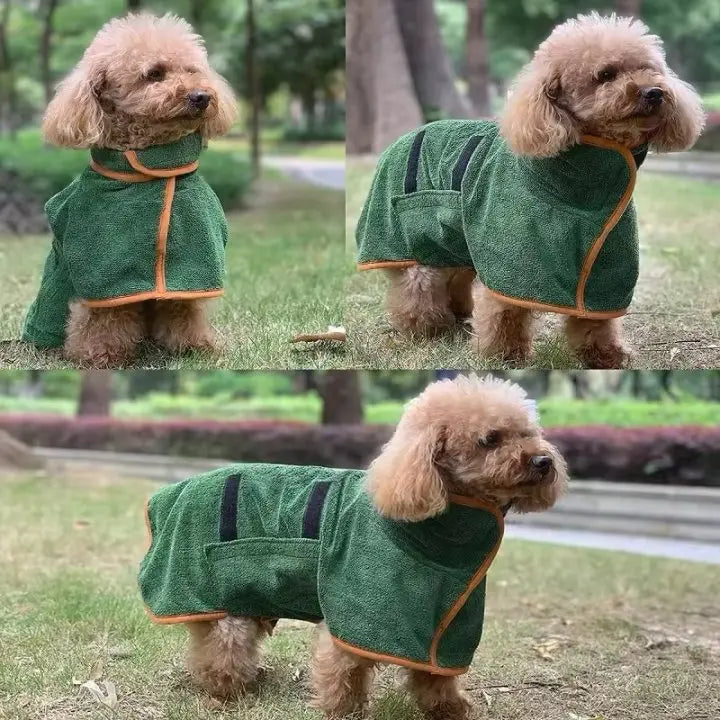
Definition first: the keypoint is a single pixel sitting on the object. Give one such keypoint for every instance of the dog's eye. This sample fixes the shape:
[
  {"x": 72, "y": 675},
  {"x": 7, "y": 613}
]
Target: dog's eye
[
  {"x": 155, "y": 74},
  {"x": 491, "y": 440},
  {"x": 607, "y": 74}
]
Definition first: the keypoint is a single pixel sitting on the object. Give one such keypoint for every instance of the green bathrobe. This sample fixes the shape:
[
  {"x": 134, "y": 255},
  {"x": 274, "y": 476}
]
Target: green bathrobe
[
  {"x": 555, "y": 234},
  {"x": 134, "y": 226},
  {"x": 306, "y": 542}
]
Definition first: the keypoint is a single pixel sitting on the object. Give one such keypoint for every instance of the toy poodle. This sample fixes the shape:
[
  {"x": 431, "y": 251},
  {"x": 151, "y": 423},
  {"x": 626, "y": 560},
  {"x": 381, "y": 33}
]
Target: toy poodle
[
  {"x": 139, "y": 236},
  {"x": 532, "y": 213},
  {"x": 390, "y": 562}
]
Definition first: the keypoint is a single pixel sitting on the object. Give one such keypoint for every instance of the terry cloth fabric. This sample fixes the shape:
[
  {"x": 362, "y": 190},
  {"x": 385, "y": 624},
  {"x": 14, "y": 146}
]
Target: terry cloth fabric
[
  {"x": 305, "y": 542},
  {"x": 136, "y": 225},
  {"x": 555, "y": 234}
]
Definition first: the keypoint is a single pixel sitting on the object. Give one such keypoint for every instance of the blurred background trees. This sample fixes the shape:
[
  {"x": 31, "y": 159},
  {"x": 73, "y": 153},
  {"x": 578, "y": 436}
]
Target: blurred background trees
[{"x": 400, "y": 76}]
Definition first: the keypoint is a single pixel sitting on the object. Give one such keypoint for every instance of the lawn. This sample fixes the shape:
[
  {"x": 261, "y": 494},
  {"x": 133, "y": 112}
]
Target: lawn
[
  {"x": 674, "y": 321},
  {"x": 569, "y": 634},
  {"x": 286, "y": 275}
]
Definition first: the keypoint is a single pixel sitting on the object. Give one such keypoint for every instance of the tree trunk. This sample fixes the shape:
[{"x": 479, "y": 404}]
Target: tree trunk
[
  {"x": 47, "y": 9},
  {"x": 381, "y": 99},
  {"x": 253, "y": 86},
  {"x": 7, "y": 75},
  {"x": 95, "y": 393},
  {"x": 628, "y": 8},
  {"x": 342, "y": 397},
  {"x": 134, "y": 5},
  {"x": 429, "y": 62},
  {"x": 477, "y": 67}
]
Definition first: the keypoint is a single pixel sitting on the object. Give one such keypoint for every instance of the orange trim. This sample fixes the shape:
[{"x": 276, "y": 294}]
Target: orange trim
[
  {"x": 196, "y": 617},
  {"x": 116, "y": 175},
  {"x": 562, "y": 309},
  {"x": 132, "y": 158},
  {"x": 397, "y": 264},
  {"x": 393, "y": 659},
  {"x": 612, "y": 221},
  {"x": 477, "y": 577},
  {"x": 153, "y": 295},
  {"x": 163, "y": 228}
]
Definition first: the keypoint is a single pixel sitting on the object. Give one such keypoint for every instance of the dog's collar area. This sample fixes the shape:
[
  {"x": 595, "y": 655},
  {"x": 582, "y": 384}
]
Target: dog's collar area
[{"x": 157, "y": 161}]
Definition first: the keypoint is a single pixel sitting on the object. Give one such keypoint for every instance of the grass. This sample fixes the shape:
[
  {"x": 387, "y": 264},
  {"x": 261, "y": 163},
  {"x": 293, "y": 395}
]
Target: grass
[
  {"x": 286, "y": 271},
  {"x": 271, "y": 145},
  {"x": 569, "y": 633},
  {"x": 555, "y": 412},
  {"x": 674, "y": 320}
]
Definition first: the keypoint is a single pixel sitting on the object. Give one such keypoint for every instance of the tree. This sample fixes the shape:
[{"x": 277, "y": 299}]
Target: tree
[
  {"x": 253, "y": 86},
  {"x": 477, "y": 68},
  {"x": 399, "y": 74},
  {"x": 8, "y": 98},
  {"x": 342, "y": 397},
  {"x": 95, "y": 393},
  {"x": 47, "y": 11},
  {"x": 134, "y": 5}
]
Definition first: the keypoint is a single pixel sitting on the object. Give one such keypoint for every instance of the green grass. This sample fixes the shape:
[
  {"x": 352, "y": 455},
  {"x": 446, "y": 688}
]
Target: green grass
[
  {"x": 555, "y": 412},
  {"x": 327, "y": 150},
  {"x": 286, "y": 272},
  {"x": 711, "y": 101},
  {"x": 674, "y": 320},
  {"x": 623, "y": 636}
]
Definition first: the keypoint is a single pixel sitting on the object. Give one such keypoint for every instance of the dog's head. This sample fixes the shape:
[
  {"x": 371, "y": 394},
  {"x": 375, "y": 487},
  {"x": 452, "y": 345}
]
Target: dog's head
[
  {"x": 603, "y": 76},
  {"x": 469, "y": 436},
  {"x": 144, "y": 79}
]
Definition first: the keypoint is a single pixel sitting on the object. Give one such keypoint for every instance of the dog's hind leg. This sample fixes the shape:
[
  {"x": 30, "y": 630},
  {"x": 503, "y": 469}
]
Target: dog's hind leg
[
  {"x": 419, "y": 300},
  {"x": 181, "y": 325},
  {"x": 598, "y": 343},
  {"x": 341, "y": 680},
  {"x": 224, "y": 655},
  {"x": 104, "y": 337},
  {"x": 438, "y": 696},
  {"x": 501, "y": 330}
]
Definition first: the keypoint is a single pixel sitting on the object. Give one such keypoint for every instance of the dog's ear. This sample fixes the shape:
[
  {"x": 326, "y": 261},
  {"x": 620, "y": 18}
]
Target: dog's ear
[
  {"x": 686, "y": 121},
  {"x": 219, "y": 122},
  {"x": 534, "y": 122},
  {"x": 404, "y": 480},
  {"x": 74, "y": 118}
]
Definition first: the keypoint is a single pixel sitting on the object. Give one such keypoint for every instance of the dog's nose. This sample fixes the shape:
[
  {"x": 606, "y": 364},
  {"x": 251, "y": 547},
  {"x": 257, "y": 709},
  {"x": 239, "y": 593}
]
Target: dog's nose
[
  {"x": 541, "y": 463},
  {"x": 654, "y": 95},
  {"x": 199, "y": 99}
]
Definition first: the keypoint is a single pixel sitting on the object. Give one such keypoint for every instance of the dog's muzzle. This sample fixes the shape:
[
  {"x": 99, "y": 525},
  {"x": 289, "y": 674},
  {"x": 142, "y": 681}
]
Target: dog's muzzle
[{"x": 198, "y": 99}]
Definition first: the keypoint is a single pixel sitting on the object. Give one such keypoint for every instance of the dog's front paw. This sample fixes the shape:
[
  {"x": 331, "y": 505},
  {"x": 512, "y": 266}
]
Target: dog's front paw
[{"x": 614, "y": 356}]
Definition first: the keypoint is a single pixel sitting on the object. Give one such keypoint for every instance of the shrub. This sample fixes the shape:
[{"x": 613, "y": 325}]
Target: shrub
[
  {"x": 334, "y": 132},
  {"x": 44, "y": 170},
  {"x": 683, "y": 455}
]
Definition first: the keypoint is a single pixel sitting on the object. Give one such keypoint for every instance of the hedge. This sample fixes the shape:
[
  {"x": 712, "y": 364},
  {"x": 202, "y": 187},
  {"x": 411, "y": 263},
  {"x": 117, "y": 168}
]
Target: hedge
[{"x": 682, "y": 455}]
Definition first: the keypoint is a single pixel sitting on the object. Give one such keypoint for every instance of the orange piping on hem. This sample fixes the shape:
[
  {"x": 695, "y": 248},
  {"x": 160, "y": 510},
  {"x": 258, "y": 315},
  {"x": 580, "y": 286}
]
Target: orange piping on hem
[
  {"x": 612, "y": 221},
  {"x": 396, "y": 264},
  {"x": 562, "y": 309},
  {"x": 132, "y": 158},
  {"x": 393, "y": 659},
  {"x": 475, "y": 580},
  {"x": 153, "y": 295}
]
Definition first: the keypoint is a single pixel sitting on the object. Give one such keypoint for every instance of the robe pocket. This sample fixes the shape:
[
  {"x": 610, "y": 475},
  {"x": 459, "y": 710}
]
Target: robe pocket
[
  {"x": 431, "y": 222},
  {"x": 267, "y": 577}
]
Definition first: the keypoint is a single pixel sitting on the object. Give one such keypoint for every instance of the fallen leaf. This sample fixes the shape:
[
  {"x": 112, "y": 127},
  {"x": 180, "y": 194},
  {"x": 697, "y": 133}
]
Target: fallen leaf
[
  {"x": 81, "y": 524},
  {"x": 661, "y": 643},
  {"x": 297, "y": 674},
  {"x": 105, "y": 695},
  {"x": 487, "y": 698}
]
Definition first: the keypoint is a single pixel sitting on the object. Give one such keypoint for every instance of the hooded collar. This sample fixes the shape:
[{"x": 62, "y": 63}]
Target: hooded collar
[
  {"x": 176, "y": 158},
  {"x": 453, "y": 538}
]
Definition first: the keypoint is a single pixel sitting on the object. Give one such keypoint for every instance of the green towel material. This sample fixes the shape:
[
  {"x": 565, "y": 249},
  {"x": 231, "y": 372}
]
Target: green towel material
[
  {"x": 556, "y": 234},
  {"x": 306, "y": 542},
  {"x": 110, "y": 245}
]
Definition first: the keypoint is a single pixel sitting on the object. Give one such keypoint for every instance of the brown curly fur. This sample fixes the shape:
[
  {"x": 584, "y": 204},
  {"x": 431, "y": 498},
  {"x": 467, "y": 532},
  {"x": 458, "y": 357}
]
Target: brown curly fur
[
  {"x": 440, "y": 446},
  {"x": 555, "y": 99},
  {"x": 129, "y": 91}
]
